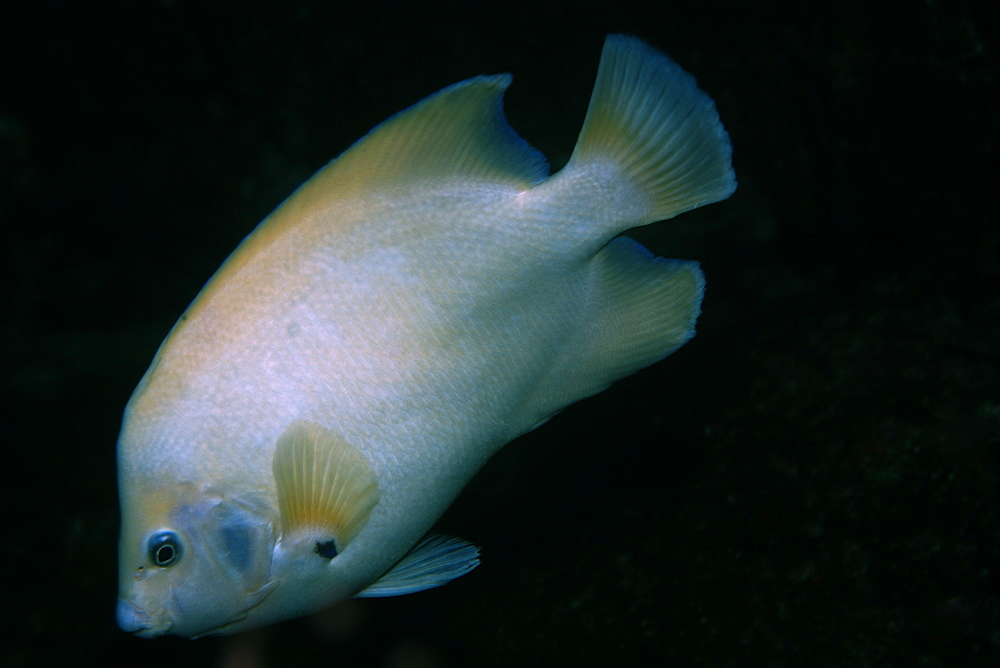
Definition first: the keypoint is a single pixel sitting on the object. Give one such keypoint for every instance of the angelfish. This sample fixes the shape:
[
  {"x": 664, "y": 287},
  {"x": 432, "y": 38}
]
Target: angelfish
[{"x": 422, "y": 300}]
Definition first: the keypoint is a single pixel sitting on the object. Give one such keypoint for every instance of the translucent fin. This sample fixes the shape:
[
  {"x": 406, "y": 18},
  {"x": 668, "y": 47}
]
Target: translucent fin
[
  {"x": 435, "y": 561},
  {"x": 645, "y": 307},
  {"x": 459, "y": 131},
  {"x": 649, "y": 122},
  {"x": 642, "y": 308},
  {"x": 323, "y": 483}
]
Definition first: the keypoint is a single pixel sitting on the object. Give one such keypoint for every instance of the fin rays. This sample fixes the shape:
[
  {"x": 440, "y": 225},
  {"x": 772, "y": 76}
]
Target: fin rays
[
  {"x": 460, "y": 131},
  {"x": 648, "y": 116},
  {"x": 323, "y": 483},
  {"x": 435, "y": 561}
]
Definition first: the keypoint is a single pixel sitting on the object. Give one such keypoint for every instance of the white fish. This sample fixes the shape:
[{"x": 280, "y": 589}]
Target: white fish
[{"x": 422, "y": 300}]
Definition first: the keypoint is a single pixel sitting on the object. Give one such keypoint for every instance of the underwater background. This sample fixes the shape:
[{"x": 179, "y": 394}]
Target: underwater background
[{"x": 813, "y": 479}]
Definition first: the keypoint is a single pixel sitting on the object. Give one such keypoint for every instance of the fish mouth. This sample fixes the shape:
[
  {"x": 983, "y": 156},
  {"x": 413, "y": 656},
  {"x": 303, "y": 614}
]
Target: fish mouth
[{"x": 140, "y": 623}]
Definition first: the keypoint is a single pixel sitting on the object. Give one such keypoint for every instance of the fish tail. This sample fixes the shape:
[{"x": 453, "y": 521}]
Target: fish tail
[
  {"x": 651, "y": 147},
  {"x": 651, "y": 143}
]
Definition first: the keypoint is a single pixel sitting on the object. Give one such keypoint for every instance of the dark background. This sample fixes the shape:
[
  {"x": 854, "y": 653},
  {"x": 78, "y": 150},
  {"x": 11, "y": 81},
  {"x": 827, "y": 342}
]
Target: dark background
[{"x": 811, "y": 480}]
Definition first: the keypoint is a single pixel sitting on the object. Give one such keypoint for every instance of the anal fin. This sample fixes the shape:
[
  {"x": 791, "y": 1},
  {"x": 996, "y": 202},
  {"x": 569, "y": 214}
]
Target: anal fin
[
  {"x": 644, "y": 307},
  {"x": 641, "y": 308}
]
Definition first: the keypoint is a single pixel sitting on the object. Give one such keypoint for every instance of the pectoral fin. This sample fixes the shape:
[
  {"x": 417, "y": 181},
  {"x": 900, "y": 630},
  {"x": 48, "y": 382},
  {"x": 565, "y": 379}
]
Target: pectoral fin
[
  {"x": 325, "y": 486},
  {"x": 435, "y": 561}
]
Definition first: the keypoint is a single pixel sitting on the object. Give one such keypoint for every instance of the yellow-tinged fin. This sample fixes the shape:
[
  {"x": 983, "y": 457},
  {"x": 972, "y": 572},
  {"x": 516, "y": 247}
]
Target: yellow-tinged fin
[
  {"x": 324, "y": 484},
  {"x": 641, "y": 309},
  {"x": 645, "y": 308},
  {"x": 458, "y": 132},
  {"x": 648, "y": 119},
  {"x": 435, "y": 561}
]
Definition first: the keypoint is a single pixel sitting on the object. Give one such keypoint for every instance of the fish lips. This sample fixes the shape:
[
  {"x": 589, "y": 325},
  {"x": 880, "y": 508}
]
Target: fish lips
[{"x": 140, "y": 623}]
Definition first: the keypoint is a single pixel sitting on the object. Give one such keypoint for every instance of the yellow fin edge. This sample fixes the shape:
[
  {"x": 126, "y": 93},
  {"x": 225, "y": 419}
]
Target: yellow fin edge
[
  {"x": 648, "y": 117},
  {"x": 324, "y": 484}
]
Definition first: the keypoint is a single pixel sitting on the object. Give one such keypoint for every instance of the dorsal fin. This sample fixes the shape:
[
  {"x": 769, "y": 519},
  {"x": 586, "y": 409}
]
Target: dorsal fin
[
  {"x": 459, "y": 131},
  {"x": 324, "y": 484}
]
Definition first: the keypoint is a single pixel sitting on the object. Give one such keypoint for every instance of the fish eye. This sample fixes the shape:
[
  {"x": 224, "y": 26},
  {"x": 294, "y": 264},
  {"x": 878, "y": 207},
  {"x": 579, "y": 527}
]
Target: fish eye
[{"x": 164, "y": 548}]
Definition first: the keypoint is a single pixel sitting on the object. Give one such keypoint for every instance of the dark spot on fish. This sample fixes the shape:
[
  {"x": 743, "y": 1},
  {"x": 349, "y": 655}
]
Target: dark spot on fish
[{"x": 327, "y": 550}]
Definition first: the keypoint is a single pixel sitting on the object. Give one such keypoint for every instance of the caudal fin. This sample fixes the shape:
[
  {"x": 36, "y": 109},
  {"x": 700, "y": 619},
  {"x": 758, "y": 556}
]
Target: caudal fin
[
  {"x": 653, "y": 132},
  {"x": 651, "y": 148}
]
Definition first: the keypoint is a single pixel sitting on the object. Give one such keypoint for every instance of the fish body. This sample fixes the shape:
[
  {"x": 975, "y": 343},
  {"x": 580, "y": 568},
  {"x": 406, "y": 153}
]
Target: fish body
[{"x": 424, "y": 299}]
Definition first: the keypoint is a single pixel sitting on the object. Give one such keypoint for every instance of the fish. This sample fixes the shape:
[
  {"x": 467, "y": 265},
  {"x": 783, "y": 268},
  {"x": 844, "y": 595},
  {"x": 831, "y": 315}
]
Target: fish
[{"x": 425, "y": 298}]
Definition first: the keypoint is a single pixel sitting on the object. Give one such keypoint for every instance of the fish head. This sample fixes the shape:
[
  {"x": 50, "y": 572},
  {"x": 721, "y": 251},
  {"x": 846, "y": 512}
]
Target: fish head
[
  {"x": 204, "y": 550},
  {"x": 192, "y": 562}
]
